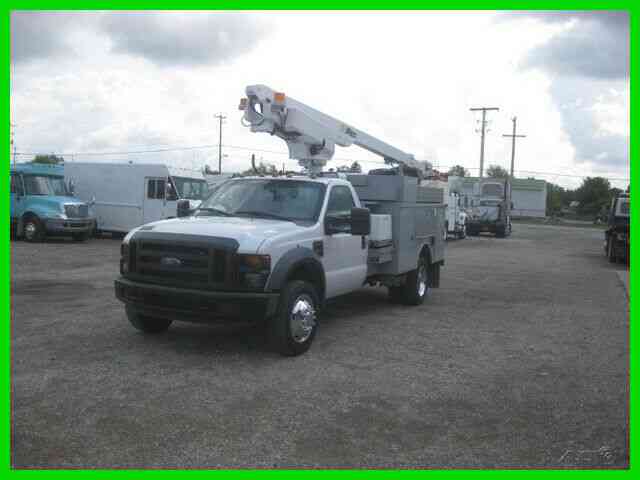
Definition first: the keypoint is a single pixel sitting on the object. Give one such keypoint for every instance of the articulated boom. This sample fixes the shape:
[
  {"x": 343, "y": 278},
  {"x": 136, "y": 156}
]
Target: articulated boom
[{"x": 311, "y": 136}]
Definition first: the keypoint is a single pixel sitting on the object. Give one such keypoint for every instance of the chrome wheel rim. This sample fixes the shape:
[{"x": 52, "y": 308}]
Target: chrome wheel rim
[
  {"x": 29, "y": 230},
  {"x": 422, "y": 280},
  {"x": 302, "y": 319}
]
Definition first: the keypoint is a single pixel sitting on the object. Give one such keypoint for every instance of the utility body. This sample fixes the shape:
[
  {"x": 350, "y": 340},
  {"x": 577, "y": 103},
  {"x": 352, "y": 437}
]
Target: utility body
[
  {"x": 127, "y": 195},
  {"x": 277, "y": 248},
  {"x": 42, "y": 204},
  {"x": 617, "y": 235}
]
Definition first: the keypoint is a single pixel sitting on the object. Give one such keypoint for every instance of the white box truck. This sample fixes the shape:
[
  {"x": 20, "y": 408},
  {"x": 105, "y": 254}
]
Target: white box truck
[{"x": 127, "y": 195}]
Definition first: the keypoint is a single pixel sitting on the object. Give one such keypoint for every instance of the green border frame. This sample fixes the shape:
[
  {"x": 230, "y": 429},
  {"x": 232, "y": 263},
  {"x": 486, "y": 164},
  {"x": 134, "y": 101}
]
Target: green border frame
[{"x": 5, "y": 265}]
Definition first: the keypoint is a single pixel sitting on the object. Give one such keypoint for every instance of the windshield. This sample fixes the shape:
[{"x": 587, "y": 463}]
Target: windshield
[
  {"x": 44, "y": 185},
  {"x": 293, "y": 200},
  {"x": 190, "y": 188},
  {"x": 624, "y": 207}
]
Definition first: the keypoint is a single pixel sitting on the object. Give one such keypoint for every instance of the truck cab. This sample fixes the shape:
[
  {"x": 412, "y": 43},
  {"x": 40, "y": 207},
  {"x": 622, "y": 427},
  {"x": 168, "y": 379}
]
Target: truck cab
[
  {"x": 491, "y": 208},
  {"x": 616, "y": 236},
  {"x": 42, "y": 204}
]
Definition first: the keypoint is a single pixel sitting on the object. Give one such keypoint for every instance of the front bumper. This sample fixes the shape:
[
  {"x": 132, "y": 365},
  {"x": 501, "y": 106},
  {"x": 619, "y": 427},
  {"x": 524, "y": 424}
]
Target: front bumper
[
  {"x": 69, "y": 225},
  {"x": 195, "y": 305}
]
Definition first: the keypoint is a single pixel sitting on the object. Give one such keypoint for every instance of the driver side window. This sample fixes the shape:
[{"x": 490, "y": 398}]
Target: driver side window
[{"x": 339, "y": 208}]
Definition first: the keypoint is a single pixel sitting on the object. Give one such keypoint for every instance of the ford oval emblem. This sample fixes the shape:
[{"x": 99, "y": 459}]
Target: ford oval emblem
[{"x": 170, "y": 262}]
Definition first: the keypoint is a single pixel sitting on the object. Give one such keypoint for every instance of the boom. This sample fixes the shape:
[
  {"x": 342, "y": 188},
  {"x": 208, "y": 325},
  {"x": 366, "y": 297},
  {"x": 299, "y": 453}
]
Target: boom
[{"x": 310, "y": 135}]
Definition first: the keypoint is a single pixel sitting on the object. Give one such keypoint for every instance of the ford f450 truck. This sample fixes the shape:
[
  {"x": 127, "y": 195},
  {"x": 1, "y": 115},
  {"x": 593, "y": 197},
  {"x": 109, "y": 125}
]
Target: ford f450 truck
[{"x": 275, "y": 249}]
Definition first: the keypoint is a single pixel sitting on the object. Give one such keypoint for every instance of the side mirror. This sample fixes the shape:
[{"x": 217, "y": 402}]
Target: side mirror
[
  {"x": 71, "y": 187},
  {"x": 360, "y": 221},
  {"x": 184, "y": 209}
]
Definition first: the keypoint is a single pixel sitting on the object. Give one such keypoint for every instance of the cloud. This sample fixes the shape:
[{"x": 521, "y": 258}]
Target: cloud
[
  {"x": 580, "y": 104},
  {"x": 39, "y": 35},
  {"x": 184, "y": 39},
  {"x": 595, "y": 45}
]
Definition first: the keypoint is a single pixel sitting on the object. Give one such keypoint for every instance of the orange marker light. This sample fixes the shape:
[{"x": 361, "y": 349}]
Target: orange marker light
[{"x": 278, "y": 97}]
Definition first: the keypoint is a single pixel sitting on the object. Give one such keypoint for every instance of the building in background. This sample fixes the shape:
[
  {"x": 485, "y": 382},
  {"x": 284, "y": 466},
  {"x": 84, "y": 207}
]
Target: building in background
[{"x": 529, "y": 195}]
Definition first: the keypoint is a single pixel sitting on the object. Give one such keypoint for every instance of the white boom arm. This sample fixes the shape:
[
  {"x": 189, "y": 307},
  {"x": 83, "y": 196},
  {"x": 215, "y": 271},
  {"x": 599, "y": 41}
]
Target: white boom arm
[{"x": 311, "y": 135}]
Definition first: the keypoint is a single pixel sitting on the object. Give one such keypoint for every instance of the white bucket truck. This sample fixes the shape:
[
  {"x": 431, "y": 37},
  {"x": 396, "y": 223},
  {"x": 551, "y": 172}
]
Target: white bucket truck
[{"x": 276, "y": 248}]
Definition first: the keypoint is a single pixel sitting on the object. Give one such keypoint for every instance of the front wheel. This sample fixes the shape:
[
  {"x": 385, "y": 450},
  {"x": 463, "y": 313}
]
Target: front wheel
[
  {"x": 294, "y": 326},
  {"x": 33, "y": 229},
  {"x": 417, "y": 287},
  {"x": 145, "y": 323},
  {"x": 463, "y": 231}
]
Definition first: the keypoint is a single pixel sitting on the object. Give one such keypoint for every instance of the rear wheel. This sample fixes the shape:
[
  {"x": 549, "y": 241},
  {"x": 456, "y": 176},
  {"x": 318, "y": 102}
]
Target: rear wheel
[
  {"x": 417, "y": 287},
  {"x": 463, "y": 231},
  {"x": 33, "y": 229},
  {"x": 293, "y": 327},
  {"x": 145, "y": 323}
]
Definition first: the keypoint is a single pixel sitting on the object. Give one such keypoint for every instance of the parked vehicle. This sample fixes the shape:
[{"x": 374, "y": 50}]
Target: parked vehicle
[
  {"x": 491, "y": 208},
  {"x": 277, "y": 248},
  {"x": 127, "y": 195},
  {"x": 617, "y": 235},
  {"x": 41, "y": 204},
  {"x": 456, "y": 220}
]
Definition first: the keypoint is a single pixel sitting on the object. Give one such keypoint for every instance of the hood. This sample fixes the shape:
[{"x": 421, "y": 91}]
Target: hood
[
  {"x": 59, "y": 199},
  {"x": 248, "y": 232}
]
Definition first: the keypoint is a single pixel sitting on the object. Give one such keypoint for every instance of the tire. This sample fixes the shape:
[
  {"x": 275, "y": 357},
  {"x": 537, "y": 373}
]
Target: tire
[
  {"x": 81, "y": 237},
  {"x": 33, "y": 229},
  {"x": 472, "y": 232},
  {"x": 501, "y": 231},
  {"x": 145, "y": 323},
  {"x": 463, "y": 232},
  {"x": 417, "y": 287},
  {"x": 294, "y": 326}
]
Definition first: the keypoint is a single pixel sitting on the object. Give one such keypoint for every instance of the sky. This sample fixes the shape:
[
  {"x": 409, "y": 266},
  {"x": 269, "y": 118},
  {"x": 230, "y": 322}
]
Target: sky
[{"x": 93, "y": 86}]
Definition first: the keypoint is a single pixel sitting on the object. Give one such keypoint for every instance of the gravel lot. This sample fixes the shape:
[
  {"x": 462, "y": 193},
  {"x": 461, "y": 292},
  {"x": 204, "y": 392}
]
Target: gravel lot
[{"x": 520, "y": 359}]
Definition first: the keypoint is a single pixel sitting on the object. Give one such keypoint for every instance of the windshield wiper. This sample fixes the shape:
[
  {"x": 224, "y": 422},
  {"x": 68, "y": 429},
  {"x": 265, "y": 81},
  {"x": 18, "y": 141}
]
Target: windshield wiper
[
  {"x": 214, "y": 210},
  {"x": 255, "y": 213}
]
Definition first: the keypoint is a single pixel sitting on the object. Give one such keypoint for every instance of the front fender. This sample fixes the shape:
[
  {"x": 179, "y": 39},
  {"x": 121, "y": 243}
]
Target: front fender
[{"x": 289, "y": 262}]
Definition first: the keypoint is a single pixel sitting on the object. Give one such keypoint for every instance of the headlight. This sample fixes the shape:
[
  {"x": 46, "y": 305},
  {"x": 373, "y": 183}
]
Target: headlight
[
  {"x": 124, "y": 258},
  {"x": 253, "y": 270}
]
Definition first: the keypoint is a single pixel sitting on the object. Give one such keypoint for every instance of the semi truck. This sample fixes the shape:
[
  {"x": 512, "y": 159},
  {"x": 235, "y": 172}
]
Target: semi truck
[
  {"x": 275, "y": 249},
  {"x": 616, "y": 236},
  {"x": 42, "y": 204},
  {"x": 127, "y": 195},
  {"x": 491, "y": 208}
]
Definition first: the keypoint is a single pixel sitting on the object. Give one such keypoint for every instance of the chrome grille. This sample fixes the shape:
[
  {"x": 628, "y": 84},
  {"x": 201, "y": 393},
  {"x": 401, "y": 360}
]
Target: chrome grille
[{"x": 76, "y": 210}]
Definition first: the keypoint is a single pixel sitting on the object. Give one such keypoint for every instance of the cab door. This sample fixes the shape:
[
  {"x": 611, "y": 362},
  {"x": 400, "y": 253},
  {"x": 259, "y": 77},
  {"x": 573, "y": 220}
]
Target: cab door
[
  {"x": 17, "y": 200},
  {"x": 345, "y": 257},
  {"x": 154, "y": 199}
]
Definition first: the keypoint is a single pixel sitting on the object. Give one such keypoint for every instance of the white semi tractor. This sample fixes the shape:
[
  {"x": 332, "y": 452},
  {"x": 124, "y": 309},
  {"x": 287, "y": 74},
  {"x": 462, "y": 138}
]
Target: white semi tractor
[
  {"x": 277, "y": 248},
  {"x": 127, "y": 195}
]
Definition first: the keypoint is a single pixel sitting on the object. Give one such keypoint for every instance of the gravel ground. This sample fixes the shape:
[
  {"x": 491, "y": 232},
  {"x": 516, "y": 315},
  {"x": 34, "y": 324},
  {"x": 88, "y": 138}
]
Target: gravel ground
[{"x": 521, "y": 358}]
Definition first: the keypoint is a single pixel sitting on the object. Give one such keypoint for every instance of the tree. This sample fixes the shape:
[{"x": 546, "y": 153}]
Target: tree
[
  {"x": 593, "y": 195},
  {"x": 458, "y": 171},
  {"x": 555, "y": 198},
  {"x": 50, "y": 159},
  {"x": 496, "y": 171}
]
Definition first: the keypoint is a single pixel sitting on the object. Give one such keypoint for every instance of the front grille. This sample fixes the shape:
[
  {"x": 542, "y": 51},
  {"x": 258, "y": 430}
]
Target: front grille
[
  {"x": 190, "y": 265},
  {"x": 76, "y": 210}
]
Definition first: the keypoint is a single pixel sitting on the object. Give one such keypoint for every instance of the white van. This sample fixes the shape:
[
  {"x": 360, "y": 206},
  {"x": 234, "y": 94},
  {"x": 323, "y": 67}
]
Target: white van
[{"x": 127, "y": 195}]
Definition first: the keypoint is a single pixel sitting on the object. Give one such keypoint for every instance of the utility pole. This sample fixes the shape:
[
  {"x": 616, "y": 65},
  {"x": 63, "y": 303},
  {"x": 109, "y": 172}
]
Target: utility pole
[
  {"x": 513, "y": 143},
  {"x": 484, "y": 111},
  {"x": 13, "y": 143},
  {"x": 221, "y": 118}
]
